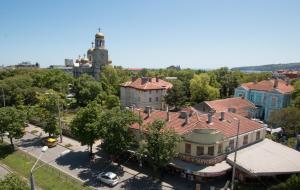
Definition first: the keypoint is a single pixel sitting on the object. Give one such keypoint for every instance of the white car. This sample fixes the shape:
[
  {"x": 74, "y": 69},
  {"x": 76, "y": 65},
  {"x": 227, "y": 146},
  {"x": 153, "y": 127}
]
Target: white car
[{"x": 109, "y": 178}]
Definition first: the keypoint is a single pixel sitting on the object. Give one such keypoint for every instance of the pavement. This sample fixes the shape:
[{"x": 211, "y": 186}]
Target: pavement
[
  {"x": 78, "y": 164},
  {"x": 3, "y": 171}
]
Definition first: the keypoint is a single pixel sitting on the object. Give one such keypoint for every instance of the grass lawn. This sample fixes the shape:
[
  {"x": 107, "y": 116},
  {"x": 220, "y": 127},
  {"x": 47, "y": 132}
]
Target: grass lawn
[{"x": 46, "y": 177}]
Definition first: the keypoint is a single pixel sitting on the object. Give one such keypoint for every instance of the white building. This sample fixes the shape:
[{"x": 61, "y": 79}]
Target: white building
[{"x": 143, "y": 92}]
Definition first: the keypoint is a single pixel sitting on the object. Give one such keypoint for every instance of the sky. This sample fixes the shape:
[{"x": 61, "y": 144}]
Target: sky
[{"x": 200, "y": 34}]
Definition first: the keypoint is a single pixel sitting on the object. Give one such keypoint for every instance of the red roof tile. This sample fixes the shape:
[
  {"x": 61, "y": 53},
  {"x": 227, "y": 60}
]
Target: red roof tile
[
  {"x": 268, "y": 85},
  {"x": 228, "y": 126},
  {"x": 242, "y": 106},
  {"x": 147, "y": 84}
]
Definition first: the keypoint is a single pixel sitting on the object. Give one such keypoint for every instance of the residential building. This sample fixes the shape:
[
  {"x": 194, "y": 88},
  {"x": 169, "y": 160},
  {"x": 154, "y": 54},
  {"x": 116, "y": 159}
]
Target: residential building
[
  {"x": 267, "y": 95},
  {"x": 238, "y": 105},
  {"x": 206, "y": 138},
  {"x": 283, "y": 74},
  {"x": 143, "y": 92},
  {"x": 94, "y": 61}
]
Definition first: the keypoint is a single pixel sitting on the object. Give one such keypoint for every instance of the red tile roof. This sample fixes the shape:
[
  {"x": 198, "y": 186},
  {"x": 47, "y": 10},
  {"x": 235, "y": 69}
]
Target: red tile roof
[
  {"x": 228, "y": 126},
  {"x": 268, "y": 85},
  {"x": 242, "y": 106},
  {"x": 147, "y": 84}
]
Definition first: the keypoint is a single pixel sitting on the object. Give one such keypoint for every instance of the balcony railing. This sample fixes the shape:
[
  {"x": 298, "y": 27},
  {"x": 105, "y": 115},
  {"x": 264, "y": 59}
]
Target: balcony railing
[{"x": 204, "y": 160}]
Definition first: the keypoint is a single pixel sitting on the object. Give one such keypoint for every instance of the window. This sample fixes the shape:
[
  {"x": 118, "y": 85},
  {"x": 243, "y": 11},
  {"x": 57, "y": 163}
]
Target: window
[
  {"x": 156, "y": 99},
  {"x": 156, "y": 91},
  {"x": 274, "y": 101},
  {"x": 187, "y": 148},
  {"x": 149, "y": 91},
  {"x": 211, "y": 150},
  {"x": 251, "y": 97},
  {"x": 257, "y": 135},
  {"x": 150, "y": 99},
  {"x": 231, "y": 144},
  {"x": 245, "y": 140},
  {"x": 200, "y": 150},
  {"x": 241, "y": 95},
  {"x": 265, "y": 98},
  {"x": 220, "y": 148}
]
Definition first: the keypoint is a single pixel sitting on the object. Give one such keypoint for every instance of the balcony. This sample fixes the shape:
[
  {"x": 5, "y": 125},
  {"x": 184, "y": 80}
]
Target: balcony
[{"x": 203, "y": 160}]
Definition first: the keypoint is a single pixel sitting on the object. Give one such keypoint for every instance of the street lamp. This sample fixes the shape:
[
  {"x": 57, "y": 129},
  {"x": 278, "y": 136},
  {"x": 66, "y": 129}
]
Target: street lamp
[
  {"x": 235, "y": 152},
  {"x": 44, "y": 149}
]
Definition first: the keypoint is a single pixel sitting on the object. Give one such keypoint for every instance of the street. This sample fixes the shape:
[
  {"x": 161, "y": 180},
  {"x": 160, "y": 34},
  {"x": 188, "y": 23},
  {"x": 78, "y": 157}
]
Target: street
[{"x": 78, "y": 165}]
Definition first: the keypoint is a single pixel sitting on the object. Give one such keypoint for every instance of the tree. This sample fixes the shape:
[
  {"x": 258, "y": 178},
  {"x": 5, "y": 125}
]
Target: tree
[
  {"x": 116, "y": 124},
  {"x": 293, "y": 183},
  {"x": 13, "y": 182},
  {"x": 287, "y": 118},
  {"x": 13, "y": 122},
  {"x": 176, "y": 95},
  {"x": 49, "y": 105},
  {"x": 296, "y": 94},
  {"x": 84, "y": 126},
  {"x": 86, "y": 89},
  {"x": 108, "y": 101},
  {"x": 159, "y": 145},
  {"x": 201, "y": 90}
]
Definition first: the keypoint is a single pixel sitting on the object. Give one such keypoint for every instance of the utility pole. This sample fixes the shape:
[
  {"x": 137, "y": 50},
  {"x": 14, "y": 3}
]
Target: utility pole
[
  {"x": 59, "y": 122},
  {"x": 235, "y": 153},
  {"x": 3, "y": 97}
]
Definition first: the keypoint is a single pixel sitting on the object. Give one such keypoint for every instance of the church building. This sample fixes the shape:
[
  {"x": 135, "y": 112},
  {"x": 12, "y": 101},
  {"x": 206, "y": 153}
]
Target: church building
[{"x": 95, "y": 59}]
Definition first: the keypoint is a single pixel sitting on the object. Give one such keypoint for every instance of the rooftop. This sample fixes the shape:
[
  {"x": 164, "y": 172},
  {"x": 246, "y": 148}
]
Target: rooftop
[
  {"x": 146, "y": 83},
  {"x": 267, "y": 158},
  {"x": 269, "y": 85},
  {"x": 227, "y": 127},
  {"x": 241, "y": 105}
]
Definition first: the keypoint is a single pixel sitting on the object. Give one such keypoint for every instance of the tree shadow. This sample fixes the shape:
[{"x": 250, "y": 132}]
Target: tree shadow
[
  {"x": 144, "y": 182},
  {"x": 34, "y": 142},
  {"x": 88, "y": 168},
  {"x": 5, "y": 150}
]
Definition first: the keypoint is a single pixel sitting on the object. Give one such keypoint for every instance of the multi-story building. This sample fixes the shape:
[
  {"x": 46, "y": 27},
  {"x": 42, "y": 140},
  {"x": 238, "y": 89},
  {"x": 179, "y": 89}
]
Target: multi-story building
[
  {"x": 143, "y": 92},
  {"x": 238, "y": 105},
  {"x": 267, "y": 95},
  {"x": 96, "y": 59},
  {"x": 206, "y": 138}
]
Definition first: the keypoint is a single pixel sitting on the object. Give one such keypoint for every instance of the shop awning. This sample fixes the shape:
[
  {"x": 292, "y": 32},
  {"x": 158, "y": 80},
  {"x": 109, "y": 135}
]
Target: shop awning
[
  {"x": 201, "y": 170},
  {"x": 267, "y": 158}
]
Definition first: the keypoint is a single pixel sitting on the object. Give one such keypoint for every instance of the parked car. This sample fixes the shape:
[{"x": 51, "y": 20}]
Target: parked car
[{"x": 109, "y": 178}]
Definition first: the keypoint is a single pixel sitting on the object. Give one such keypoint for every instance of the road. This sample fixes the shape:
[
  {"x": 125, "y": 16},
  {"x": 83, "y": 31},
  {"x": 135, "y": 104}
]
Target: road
[{"x": 77, "y": 164}]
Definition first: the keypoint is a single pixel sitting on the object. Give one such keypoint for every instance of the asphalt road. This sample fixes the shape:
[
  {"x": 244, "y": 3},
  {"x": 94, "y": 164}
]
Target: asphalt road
[{"x": 78, "y": 165}]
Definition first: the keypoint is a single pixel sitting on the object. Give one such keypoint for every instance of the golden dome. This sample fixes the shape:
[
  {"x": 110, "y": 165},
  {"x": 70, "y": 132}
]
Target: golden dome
[{"x": 99, "y": 35}]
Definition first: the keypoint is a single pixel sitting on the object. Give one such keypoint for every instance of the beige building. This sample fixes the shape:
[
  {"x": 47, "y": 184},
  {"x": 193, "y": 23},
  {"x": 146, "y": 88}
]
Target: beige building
[
  {"x": 94, "y": 61},
  {"x": 143, "y": 92},
  {"x": 206, "y": 138}
]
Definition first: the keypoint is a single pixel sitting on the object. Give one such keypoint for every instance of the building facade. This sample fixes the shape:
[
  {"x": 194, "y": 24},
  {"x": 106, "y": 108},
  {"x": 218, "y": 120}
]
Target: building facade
[
  {"x": 206, "y": 138},
  {"x": 95, "y": 59},
  {"x": 267, "y": 95},
  {"x": 143, "y": 92}
]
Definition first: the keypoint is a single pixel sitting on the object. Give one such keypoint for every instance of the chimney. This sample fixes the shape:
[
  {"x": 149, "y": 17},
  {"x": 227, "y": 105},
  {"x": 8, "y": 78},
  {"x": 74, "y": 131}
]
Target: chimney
[
  {"x": 287, "y": 82},
  {"x": 185, "y": 115},
  {"x": 168, "y": 113},
  {"x": 144, "y": 80},
  {"x": 222, "y": 116},
  {"x": 133, "y": 79},
  {"x": 209, "y": 118},
  {"x": 275, "y": 83},
  {"x": 157, "y": 79},
  {"x": 148, "y": 110},
  {"x": 243, "y": 96},
  {"x": 232, "y": 110}
]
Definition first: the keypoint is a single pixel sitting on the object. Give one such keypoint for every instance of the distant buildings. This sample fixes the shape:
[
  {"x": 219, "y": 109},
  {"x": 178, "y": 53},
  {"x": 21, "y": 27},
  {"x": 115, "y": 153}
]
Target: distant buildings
[
  {"x": 24, "y": 65},
  {"x": 94, "y": 61},
  {"x": 143, "y": 92},
  {"x": 266, "y": 95},
  {"x": 284, "y": 74}
]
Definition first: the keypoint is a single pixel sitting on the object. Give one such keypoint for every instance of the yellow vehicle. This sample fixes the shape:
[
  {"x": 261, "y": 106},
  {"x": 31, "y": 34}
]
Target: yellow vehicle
[{"x": 50, "y": 142}]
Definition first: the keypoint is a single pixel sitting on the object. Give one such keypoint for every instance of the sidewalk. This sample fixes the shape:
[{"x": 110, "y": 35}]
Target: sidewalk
[{"x": 67, "y": 142}]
